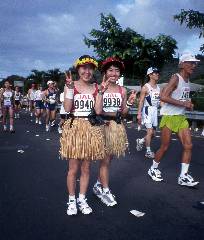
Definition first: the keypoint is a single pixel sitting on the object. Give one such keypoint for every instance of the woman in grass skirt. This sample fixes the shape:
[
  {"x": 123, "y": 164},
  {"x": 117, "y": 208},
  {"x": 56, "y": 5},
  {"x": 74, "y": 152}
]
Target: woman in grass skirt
[
  {"x": 81, "y": 141},
  {"x": 115, "y": 106}
]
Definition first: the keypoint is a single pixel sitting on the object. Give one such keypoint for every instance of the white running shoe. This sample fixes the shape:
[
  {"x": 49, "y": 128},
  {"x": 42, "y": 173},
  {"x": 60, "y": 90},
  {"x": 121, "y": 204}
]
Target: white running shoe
[
  {"x": 155, "y": 174},
  {"x": 202, "y": 134},
  {"x": 187, "y": 180},
  {"x": 36, "y": 120},
  {"x": 5, "y": 128},
  {"x": 39, "y": 122},
  {"x": 84, "y": 207},
  {"x": 72, "y": 208},
  {"x": 53, "y": 123},
  {"x": 149, "y": 154},
  {"x": 139, "y": 145},
  {"x": 98, "y": 190},
  {"x": 59, "y": 130},
  {"x": 47, "y": 128},
  {"x": 108, "y": 199},
  {"x": 31, "y": 114}
]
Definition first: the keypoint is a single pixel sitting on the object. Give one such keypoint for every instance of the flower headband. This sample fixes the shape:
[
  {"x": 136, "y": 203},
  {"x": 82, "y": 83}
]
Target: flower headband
[
  {"x": 86, "y": 60},
  {"x": 112, "y": 60}
]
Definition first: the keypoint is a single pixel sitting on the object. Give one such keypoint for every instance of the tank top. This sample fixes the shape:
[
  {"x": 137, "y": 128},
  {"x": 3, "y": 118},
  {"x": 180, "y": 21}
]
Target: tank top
[
  {"x": 38, "y": 95},
  {"x": 153, "y": 98},
  {"x": 17, "y": 96},
  {"x": 181, "y": 93},
  {"x": 83, "y": 102},
  {"x": 112, "y": 102},
  {"x": 52, "y": 97},
  {"x": 8, "y": 98},
  {"x": 32, "y": 94}
]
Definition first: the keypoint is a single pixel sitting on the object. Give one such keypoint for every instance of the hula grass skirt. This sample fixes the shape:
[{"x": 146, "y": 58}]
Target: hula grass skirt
[
  {"x": 116, "y": 141},
  {"x": 81, "y": 140}
]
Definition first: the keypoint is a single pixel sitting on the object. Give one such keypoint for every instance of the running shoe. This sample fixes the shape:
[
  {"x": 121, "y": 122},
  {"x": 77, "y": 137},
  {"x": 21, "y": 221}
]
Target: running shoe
[
  {"x": 187, "y": 180},
  {"x": 155, "y": 174},
  {"x": 84, "y": 207},
  {"x": 139, "y": 145},
  {"x": 47, "y": 128},
  {"x": 39, "y": 122},
  {"x": 202, "y": 134},
  {"x": 15, "y": 116},
  {"x": 31, "y": 114},
  {"x": 59, "y": 130},
  {"x": 98, "y": 190},
  {"x": 108, "y": 199},
  {"x": 5, "y": 128},
  {"x": 53, "y": 123},
  {"x": 36, "y": 120},
  {"x": 149, "y": 154},
  {"x": 72, "y": 208}
]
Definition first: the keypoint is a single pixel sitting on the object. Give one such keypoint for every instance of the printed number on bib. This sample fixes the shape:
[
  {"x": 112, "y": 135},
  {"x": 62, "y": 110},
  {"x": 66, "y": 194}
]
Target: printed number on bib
[
  {"x": 112, "y": 101},
  {"x": 185, "y": 94},
  {"x": 83, "y": 102}
]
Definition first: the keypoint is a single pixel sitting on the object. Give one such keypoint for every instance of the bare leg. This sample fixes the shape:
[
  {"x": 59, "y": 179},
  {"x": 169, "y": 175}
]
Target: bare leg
[
  {"x": 165, "y": 140},
  {"x": 185, "y": 138},
  {"x": 104, "y": 171},
  {"x": 84, "y": 179},
  {"x": 71, "y": 176}
]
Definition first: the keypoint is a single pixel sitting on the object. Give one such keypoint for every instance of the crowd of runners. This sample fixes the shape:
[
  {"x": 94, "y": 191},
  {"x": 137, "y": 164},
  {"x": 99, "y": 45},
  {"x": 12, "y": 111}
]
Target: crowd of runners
[{"x": 91, "y": 121}]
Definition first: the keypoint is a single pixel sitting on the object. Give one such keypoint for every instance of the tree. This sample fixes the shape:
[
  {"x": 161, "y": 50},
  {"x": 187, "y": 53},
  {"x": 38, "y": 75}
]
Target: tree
[
  {"x": 137, "y": 52},
  {"x": 192, "y": 19}
]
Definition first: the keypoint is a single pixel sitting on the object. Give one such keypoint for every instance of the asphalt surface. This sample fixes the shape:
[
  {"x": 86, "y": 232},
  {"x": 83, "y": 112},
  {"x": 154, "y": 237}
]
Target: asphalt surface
[{"x": 33, "y": 192}]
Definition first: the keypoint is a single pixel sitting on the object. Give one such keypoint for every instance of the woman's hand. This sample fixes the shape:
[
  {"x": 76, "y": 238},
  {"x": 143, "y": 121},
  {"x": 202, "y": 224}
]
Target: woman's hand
[
  {"x": 69, "y": 81},
  {"x": 132, "y": 97}
]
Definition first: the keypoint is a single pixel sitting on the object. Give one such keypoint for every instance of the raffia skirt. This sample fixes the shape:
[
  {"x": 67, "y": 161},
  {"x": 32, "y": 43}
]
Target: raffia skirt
[
  {"x": 81, "y": 140},
  {"x": 116, "y": 140}
]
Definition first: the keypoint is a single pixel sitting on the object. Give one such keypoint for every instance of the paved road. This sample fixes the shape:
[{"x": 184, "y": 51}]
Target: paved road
[{"x": 33, "y": 193}]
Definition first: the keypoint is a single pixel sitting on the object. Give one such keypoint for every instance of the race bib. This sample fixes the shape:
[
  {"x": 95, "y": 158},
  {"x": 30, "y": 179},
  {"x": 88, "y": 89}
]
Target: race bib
[
  {"x": 112, "y": 102},
  {"x": 155, "y": 98},
  {"x": 7, "y": 102},
  {"x": 185, "y": 94},
  {"x": 83, "y": 104}
]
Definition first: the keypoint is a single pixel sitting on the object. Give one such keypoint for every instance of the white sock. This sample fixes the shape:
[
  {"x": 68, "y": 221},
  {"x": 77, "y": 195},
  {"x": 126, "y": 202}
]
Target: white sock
[
  {"x": 184, "y": 168},
  {"x": 98, "y": 182},
  {"x": 81, "y": 197},
  {"x": 141, "y": 141},
  {"x": 154, "y": 164},
  {"x": 72, "y": 198},
  {"x": 106, "y": 190},
  {"x": 148, "y": 149}
]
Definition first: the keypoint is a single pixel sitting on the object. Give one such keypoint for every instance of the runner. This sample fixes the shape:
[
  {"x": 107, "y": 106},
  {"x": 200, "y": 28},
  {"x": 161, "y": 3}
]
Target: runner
[
  {"x": 39, "y": 105},
  {"x": 114, "y": 108},
  {"x": 17, "y": 101},
  {"x": 176, "y": 100},
  {"x": 63, "y": 114},
  {"x": 81, "y": 142},
  {"x": 147, "y": 110},
  {"x": 50, "y": 99},
  {"x": 31, "y": 98},
  {"x": 7, "y": 99}
]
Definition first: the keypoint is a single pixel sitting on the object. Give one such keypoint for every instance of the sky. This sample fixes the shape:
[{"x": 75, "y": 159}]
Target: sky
[{"x": 47, "y": 34}]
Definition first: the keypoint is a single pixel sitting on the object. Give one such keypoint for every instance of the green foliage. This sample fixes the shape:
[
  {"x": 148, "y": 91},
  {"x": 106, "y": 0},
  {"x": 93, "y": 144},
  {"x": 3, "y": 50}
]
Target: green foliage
[
  {"x": 137, "y": 52},
  {"x": 192, "y": 19}
]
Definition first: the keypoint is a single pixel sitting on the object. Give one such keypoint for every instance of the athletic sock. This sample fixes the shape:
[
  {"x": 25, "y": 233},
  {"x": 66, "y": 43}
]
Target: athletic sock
[
  {"x": 98, "y": 183},
  {"x": 72, "y": 198},
  {"x": 154, "y": 164},
  {"x": 184, "y": 168},
  {"x": 141, "y": 141},
  {"x": 106, "y": 190},
  {"x": 81, "y": 197},
  {"x": 148, "y": 149}
]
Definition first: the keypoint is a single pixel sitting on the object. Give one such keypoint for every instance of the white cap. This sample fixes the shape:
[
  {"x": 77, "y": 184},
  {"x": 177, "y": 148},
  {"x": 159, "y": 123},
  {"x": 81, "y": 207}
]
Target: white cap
[
  {"x": 49, "y": 82},
  {"x": 188, "y": 57},
  {"x": 152, "y": 70}
]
